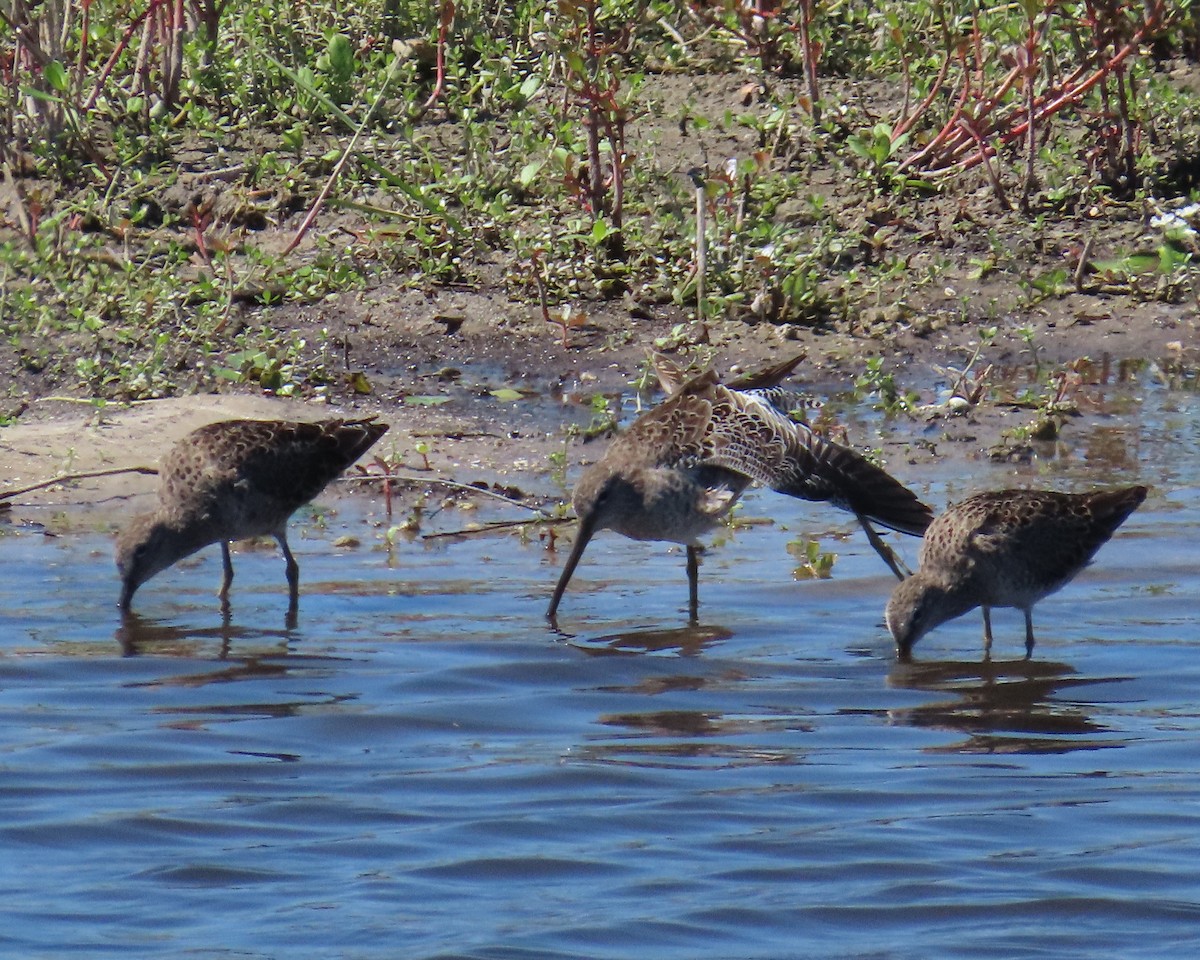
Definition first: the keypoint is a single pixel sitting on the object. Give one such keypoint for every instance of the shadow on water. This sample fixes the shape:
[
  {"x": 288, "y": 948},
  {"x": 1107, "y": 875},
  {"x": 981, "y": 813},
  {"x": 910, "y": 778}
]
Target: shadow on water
[
  {"x": 686, "y": 738},
  {"x": 143, "y": 636},
  {"x": 1002, "y": 706},
  {"x": 261, "y": 662},
  {"x": 687, "y": 641}
]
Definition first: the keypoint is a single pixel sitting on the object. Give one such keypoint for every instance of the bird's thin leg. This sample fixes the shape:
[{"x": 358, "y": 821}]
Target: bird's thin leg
[
  {"x": 227, "y": 564},
  {"x": 885, "y": 552},
  {"x": 693, "y": 572},
  {"x": 987, "y": 633},
  {"x": 1028, "y": 633},
  {"x": 293, "y": 569}
]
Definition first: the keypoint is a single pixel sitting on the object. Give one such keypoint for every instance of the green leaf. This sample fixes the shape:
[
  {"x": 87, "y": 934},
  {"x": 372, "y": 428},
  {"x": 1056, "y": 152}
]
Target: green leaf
[
  {"x": 424, "y": 401},
  {"x": 1134, "y": 263},
  {"x": 56, "y": 75},
  {"x": 341, "y": 56},
  {"x": 531, "y": 85},
  {"x": 530, "y": 171},
  {"x": 858, "y": 146},
  {"x": 507, "y": 394},
  {"x": 1052, "y": 282},
  {"x": 304, "y": 79},
  {"x": 417, "y": 194},
  {"x": 1171, "y": 258}
]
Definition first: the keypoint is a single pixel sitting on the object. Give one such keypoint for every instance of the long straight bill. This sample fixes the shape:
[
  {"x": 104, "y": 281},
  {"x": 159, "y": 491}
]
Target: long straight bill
[{"x": 587, "y": 526}]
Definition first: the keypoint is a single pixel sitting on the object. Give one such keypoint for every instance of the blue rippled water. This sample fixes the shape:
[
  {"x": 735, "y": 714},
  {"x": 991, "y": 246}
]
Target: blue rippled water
[{"x": 420, "y": 768}]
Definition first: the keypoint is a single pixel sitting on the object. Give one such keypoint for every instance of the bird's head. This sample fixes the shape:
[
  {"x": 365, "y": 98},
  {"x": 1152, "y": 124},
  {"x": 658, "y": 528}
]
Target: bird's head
[
  {"x": 145, "y": 547},
  {"x": 915, "y": 607}
]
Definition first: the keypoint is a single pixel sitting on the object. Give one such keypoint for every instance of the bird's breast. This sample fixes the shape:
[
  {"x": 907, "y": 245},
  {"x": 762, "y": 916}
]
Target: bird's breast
[{"x": 674, "y": 505}]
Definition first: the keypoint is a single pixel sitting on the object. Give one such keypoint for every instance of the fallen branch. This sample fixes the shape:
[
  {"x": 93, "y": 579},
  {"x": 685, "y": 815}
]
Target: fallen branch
[
  {"x": 496, "y": 525},
  {"x": 66, "y": 477},
  {"x": 439, "y": 481}
]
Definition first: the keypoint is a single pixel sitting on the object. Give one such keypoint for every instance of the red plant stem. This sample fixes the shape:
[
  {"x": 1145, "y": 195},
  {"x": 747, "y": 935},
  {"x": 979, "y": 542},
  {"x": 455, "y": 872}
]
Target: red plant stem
[
  {"x": 1031, "y": 69},
  {"x": 117, "y": 51},
  {"x": 964, "y": 143},
  {"x": 141, "y": 67},
  {"x": 173, "y": 55},
  {"x": 810, "y": 58},
  {"x": 84, "y": 31},
  {"x": 1070, "y": 93},
  {"x": 535, "y": 268},
  {"x": 615, "y": 133},
  {"x": 986, "y": 152},
  {"x": 1098, "y": 43},
  {"x": 1070, "y": 96},
  {"x": 446, "y": 20},
  {"x": 591, "y": 122},
  {"x": 198, "y": 225},
  {"x": 906, "y": 124},
  {"x": 951, "y": 124}
]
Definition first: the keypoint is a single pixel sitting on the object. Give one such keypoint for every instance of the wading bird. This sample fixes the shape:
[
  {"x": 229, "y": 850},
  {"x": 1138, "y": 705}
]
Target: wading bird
[
  {"x": 232, "y": 480},
  {"x": 1004, "y": 549},
  {"x": 680, "y": 468}
]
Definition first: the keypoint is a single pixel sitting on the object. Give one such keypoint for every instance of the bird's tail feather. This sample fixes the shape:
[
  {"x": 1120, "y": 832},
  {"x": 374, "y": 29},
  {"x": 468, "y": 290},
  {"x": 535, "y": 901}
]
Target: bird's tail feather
[{"x": 824, "y": 470}]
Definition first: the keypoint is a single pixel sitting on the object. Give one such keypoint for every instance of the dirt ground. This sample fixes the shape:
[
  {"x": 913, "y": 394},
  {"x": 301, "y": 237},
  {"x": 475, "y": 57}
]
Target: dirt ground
[{"x": 416, "y": 341}]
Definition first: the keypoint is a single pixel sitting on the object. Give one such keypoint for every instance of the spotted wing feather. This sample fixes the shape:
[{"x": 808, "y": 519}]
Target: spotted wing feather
[
  {"x": 1054, "y": 534},
  {"x": 707, "y": 424},
  {"x": 289, "y": 462},
  {"x": 753, "y": 435}
]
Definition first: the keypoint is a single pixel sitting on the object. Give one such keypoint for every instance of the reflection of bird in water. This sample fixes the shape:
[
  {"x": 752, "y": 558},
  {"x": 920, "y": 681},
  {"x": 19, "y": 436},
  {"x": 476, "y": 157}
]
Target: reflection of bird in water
[
  {"x": 1005, "y": 707},
  {"x": 232, "y": 480},
  {"x": 680, "y": 468},
  {"x": 138, "y": 636},
  {"x": 1004, "y": 549},
  {"x": 687, "y": 641}
]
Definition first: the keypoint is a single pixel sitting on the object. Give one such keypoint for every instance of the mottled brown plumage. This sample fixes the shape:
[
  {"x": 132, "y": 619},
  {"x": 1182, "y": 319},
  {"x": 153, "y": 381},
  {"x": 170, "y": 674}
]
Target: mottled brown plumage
[
  {"x": 683, "y": 465},
  {"x": 1005, "y": 549},
  {"x": 232, "y": 480}
]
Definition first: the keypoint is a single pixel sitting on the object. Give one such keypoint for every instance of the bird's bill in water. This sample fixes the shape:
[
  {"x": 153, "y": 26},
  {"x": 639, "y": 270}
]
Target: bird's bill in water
[
  {"x": 587, "y": 526},
  {"x": 126, "y": 599}
]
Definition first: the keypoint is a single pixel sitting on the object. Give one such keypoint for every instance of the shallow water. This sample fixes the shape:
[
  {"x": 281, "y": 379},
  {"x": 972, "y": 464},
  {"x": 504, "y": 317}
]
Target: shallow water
[{"x": 418, "y": 767}]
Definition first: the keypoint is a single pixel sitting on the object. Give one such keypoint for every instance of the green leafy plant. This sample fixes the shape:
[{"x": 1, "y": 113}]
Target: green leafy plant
[
  {"x": 813, "y": 563},
  {"x": 881, "y": 384}
]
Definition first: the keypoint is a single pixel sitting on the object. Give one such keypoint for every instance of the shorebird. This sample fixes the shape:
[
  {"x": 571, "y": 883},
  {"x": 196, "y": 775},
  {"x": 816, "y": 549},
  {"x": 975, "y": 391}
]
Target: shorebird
[
  {"x": 1005, "y": 549},
  {"x": 236, "y": 479},
  {"x": 681, "y": 467}
]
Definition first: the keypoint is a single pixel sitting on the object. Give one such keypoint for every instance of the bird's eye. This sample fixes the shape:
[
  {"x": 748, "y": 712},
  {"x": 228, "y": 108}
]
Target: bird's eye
[{"x": 606, "y": 492}]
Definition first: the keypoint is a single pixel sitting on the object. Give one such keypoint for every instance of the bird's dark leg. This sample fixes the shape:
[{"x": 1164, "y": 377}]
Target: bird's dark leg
[
  {"x": 885, "y": 552},
  {"x": 693, "y": 572},
  {"x": 293, "y": 569},
  {"x": 227, "y": 565},
  {"x": 1028, "y": 633},
  {"x": 987, "y": 633}
]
